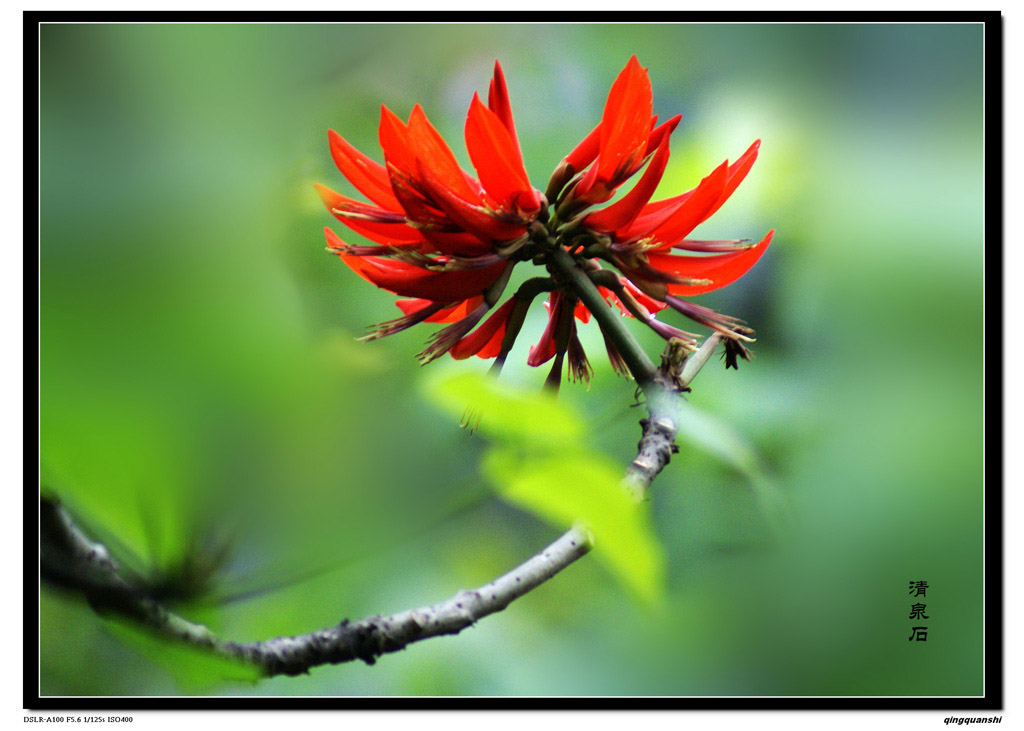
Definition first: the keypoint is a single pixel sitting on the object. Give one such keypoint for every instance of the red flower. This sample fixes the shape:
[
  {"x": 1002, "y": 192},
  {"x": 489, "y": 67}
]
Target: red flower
[{"x": 449, "y": 240}]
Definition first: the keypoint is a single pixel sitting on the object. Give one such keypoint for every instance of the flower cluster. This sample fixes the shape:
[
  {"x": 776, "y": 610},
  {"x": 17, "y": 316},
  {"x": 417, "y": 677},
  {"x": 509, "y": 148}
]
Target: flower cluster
[{"x": 447, "y": 241}]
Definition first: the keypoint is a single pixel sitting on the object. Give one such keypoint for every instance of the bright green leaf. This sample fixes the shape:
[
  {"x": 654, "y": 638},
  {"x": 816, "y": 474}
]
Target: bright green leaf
[
  {"x": 578, "y": 486},
  {"x": 502, "y": 412}
]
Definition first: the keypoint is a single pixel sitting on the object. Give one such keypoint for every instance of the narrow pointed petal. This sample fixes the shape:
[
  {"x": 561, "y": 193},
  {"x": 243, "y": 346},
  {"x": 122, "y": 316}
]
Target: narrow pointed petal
[
  {"x": 737, "y": 172},
  {"x": 586, "y": 151},
  {"x": 408, "y": 280},
  {"x": 421, "y": 212},
  {"x": 544, "y": 350},
  {"x": 629, "y": 303},
  {"x": 446, "y": 315},
  {"x": 467, "y": 214},
  {"x": 499, "y": 103},
  {"x": 692, "y": 210},
  {"x": 621, "y": 213},
  {"x": 662, "y": 132},
  {"x": 394, "y": 141},
  {"x": 655, "y": 219},
  {"x": 411, "y": 281},
  {"x": 434, "y": 155},
  {"x": 653, "y": 289},
  {"x": 721, "y": 269},
  {"x": 492, "y": 348},
  {"x": 625, "y": 124},
  {"x": 497, "y": 160},
  {"x": 582, "y": 313},
  {"x": 337, "y": 202},
  {"x": 457, "y": 243},
  {"x": 654, "y": 214},
  {"x": 383, "y": 232},
  {"x": 387, "y": 234},
  {"x": 368, "y": 176},
  {"x": 613, "y": 298},
  {"x": 647, "y": 302},
  {"x": 592, "y": 189},
  {"x": 651, "y": 216},
  {"x": 487, "y": 336}
]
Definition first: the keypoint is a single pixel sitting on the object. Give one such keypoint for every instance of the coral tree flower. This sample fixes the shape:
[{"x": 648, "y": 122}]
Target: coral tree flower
[{"x": 447, "y": 242}]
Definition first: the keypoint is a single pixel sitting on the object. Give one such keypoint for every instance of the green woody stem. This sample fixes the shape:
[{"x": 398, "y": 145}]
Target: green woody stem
[{"x": 639, "y": 364}]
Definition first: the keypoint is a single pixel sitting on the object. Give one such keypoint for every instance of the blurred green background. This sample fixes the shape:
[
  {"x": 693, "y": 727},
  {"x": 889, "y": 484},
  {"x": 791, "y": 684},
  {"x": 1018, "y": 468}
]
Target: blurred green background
[{"x": 202, "y": 390}]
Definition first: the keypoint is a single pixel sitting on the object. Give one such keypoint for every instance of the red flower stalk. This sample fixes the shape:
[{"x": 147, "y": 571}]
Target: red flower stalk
[{"x": 449, "y": 240}]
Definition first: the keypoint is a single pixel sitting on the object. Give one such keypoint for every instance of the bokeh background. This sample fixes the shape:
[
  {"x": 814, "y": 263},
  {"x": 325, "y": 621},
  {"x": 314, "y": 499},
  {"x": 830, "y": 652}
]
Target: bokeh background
[{"x": 206, "y": 410}]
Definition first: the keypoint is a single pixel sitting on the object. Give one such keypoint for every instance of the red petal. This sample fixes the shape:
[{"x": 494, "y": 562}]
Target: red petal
[
  {"x": 368, "y": 176},
  {"x": 662, "y": 132},
  {"x": 610, "y": 296},
  {"x": 591, "y": 189},
  {"x": 642, "y": 298},
  {"x": 544, "y": 350},
  {"x": 649, "y": 303},
  {"x": 448, "y": 314},
  {"x": 467, "y": 214},
  {"x": 382, "y": 233},
  {"x": 394, "y": 140},
  {"x": 737, "y": 172},
  {"x": 654, "y": 214},
  {"x": 621, "y": 213},
  {"x": 586, "y": 151},
  {"x": 411, "y": 281},
  {"x": 493, "y": 346},
  {"x": 334, "y": 200},
  {"x": 691, "y": 208},
  {"x": 335, "y": 242},
  {"x": 434, "y": 155},
  {"x": 457, "y": 243},
  {"x": 408, "y": 280},
  {"x": 387, "y": 234},
  {"x": 487, "y": 336},
  {"x": 722, "y": 269},
  {"x": 498, "y": 101},
  {"x": 625, "y": 124},
  {"x": 419, "y": 209},
  {"x": 496, "y": 157}
]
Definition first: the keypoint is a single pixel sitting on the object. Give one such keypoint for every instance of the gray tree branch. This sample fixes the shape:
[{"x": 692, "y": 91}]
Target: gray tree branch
[
  {"x": 68, "y": 558},
  {"x": 658, "y": 441}
]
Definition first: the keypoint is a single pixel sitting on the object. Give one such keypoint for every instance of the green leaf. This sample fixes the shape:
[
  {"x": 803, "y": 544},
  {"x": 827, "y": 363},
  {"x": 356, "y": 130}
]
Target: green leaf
[
  {"x": 579, "y": 486},
  {"x": 715, "y": 437},
  {"x": 501, "y": 412},
  {"x": 122, "y": 465},
  {"x": 194, "y": 668}
]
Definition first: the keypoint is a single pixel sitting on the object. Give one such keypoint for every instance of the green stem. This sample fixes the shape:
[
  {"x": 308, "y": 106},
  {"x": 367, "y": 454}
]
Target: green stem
[
  {"x": 524, "y": 297},
  {"x": 639, "y": 364}
]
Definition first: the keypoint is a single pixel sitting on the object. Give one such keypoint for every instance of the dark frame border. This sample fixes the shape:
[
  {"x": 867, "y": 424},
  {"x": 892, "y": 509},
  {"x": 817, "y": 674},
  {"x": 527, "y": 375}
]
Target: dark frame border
[{"x": 994, "y": 575}]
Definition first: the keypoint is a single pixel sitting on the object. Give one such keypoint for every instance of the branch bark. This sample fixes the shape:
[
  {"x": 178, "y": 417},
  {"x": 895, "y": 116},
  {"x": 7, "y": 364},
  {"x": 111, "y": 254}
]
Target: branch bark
[
  {"x": 71, "y": 560},
  {"x": 658, "y": 441}
]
